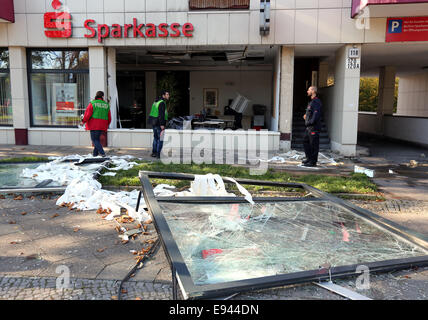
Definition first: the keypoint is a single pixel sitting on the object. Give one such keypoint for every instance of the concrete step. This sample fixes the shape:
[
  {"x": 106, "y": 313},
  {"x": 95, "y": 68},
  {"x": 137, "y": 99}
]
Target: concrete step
[
  {"x": 300, "y": 141},
  {"x": 303, "y": 127},
  {"x": 300, "y": 134},
  {"x": 300, "y": 146}
]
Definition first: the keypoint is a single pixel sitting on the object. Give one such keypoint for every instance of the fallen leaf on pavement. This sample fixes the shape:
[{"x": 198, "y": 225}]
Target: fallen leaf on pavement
[
  {"x": 55, "y": 215},
  {"x": 101, "y": 250}
]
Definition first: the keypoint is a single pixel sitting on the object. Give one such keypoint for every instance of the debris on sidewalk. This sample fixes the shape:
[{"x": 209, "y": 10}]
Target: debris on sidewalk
[
  {"x": 210, "y": 185},
  {"x": 413, "y": 164},
  {"x": 83, "y": 192},
  {"x": 294, "y": 157},
  {"x": 367, "y": 172}
]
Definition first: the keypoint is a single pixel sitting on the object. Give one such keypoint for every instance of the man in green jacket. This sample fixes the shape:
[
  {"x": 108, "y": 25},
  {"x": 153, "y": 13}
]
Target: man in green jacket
[{"x": 158, "y": 118}]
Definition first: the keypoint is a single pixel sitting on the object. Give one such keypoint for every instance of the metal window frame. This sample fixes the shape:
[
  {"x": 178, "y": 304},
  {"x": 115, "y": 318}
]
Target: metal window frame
[
  {"x": 31, "y": 71},
  {"x": 181, "y": 273},
  {"x": 6, "y": 71},
  {"x": 8, "y": 58},
  {"x": 43, "y": 187}
]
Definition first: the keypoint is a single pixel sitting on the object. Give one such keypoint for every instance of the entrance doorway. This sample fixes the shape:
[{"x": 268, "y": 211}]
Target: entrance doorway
[
  {"x": 131, "y": 88},
  {"x": 305, "y": 75},
  {"x": 177, "y": 83}
]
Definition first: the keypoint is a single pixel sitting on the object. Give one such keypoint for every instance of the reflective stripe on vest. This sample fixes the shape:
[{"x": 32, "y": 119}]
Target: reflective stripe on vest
[
  {"x": 155, "y": 110},
  {"x": 100, "y": 109}
]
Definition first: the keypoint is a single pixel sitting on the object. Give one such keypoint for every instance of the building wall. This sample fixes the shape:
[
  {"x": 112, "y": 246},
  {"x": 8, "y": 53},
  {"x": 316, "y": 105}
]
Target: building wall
[
  {"x": 412, "y": 129},
  {"x": 292, "y": 22},
  {"x": 367, "y": 122},
  {"x": 125, "y": 138},
  {"x": 7, "y": 135},
  {"x": 413, "y": 95},
  {"x": 255, "y": 85},
  {"x": 341, "y": 105}
]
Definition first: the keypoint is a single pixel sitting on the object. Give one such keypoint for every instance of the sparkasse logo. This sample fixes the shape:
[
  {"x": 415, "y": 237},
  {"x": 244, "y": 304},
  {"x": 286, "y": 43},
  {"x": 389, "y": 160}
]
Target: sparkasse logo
[{"x": 59, "y": 22}]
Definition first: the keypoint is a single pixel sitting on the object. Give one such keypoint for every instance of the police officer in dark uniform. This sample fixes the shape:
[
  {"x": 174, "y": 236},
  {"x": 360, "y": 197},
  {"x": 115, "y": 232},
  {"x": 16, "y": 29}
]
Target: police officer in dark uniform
[{"x": 311, "y": 140}]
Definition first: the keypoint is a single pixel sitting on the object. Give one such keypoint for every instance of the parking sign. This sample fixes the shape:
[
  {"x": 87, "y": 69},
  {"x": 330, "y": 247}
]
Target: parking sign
[
  {"x": 395, "y": 26},
  {"x": 405, "y": 29}
]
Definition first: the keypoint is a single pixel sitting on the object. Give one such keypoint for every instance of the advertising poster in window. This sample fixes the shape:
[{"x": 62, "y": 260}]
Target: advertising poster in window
[{"x": 65, "y": 98}]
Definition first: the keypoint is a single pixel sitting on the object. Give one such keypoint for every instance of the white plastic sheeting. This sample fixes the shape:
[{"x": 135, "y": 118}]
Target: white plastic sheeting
[
  {"x": 212, "y": 185},
  {"x": 83, "y": 191}
]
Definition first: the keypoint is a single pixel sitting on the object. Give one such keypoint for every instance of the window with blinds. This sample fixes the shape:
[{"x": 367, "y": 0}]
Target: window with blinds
[{"x": 218, "y": 4}]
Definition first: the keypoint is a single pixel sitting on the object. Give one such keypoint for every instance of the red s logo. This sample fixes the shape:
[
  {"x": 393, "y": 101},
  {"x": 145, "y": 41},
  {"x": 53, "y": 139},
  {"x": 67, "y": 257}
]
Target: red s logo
[{"x": 61, "y": 21}]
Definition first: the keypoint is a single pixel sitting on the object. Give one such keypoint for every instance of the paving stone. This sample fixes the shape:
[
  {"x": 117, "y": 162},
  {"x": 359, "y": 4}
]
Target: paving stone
[
  {"x": 60, "y": 247},
  {"x": 87, "y": 266}
]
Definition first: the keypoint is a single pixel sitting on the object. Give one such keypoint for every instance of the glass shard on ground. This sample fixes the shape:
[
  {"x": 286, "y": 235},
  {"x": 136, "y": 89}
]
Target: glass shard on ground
[{"x": 229, "y": 242}]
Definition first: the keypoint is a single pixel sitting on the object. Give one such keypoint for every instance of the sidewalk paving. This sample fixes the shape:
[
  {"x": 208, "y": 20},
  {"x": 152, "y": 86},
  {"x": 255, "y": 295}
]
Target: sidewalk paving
[{"x": 34, "y": 245}]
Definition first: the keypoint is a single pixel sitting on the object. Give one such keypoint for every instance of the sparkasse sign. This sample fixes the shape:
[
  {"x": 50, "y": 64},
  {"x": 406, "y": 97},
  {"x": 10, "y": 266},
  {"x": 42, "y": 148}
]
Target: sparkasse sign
[
  {"x": 148, "y": 30},
  {"x": 58, "y": 24}
]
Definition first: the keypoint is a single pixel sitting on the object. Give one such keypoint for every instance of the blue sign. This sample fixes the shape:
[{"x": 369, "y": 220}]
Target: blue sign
[{"x": 395, "y": 26}]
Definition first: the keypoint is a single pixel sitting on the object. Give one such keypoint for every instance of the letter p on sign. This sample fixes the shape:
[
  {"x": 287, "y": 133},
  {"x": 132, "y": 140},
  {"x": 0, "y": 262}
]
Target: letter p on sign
[{"x": 395, "y": 26}]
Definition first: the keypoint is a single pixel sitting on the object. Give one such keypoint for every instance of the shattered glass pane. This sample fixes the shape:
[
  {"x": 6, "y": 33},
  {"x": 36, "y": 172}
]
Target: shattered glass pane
[
  {"x": 10, "y": 176},
  {"x": 229, "y": 242}
]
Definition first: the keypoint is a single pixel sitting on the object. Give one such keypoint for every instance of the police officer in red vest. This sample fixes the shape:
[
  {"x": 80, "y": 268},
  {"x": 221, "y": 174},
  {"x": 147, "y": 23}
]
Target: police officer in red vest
[{"x": 97, "y": 118}]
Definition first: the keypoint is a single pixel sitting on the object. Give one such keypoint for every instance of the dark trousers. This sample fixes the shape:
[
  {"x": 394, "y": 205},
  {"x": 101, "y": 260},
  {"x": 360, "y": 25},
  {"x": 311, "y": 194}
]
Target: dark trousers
[
  {"x": 98, "y": 148},
  {"x": 157, "y": 143},
  {"x": 311, "y": 143}
]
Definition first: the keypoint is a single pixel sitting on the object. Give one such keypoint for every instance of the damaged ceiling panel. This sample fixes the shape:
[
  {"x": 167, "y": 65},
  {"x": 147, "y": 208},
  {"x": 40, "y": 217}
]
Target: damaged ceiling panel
[{"x": 218, "y": 247}]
